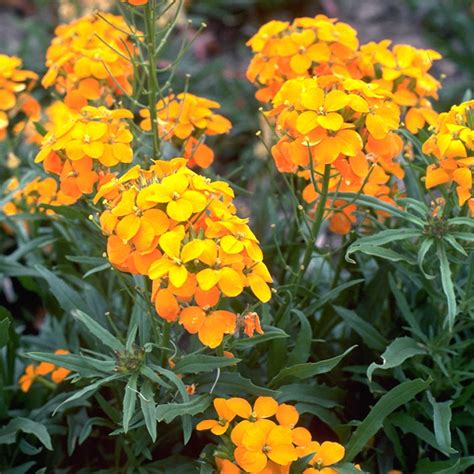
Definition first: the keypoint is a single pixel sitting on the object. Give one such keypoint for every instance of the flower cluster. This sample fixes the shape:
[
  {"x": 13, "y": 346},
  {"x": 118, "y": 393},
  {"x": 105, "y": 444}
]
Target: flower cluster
[
  {"x": 81, "y": 146},
  {"x": 404, "y": 71},
  {"x": 88, "y": 60},
  {"x": 14, "y": 97},
  {"x": 37, "y": 372},
  {"x": 182, "y": 230},
  {"x": 335, "y": 103},
  {"x": 452, "y": 144},
  {"x": 136, "y": 3},
  {"x": 31, "y": 196},
  {"x": 185, "y": 120},
  {"x": 264, "y": 438},
  {"x": 342, "y": 123},
  {"x": 306, "y": 47}
]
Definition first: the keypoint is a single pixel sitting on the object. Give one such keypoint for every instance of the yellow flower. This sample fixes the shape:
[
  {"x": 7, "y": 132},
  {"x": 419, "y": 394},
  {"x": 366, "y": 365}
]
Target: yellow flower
[{"x": 175, "y": 257}]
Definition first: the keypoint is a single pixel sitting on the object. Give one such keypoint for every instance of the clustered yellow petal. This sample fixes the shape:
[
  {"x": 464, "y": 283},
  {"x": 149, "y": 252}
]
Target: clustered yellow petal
[
  {"x": 186, "y": 120},
  {"x": 30, "y": 197},
  {"x": 264, "y": 438},
  {"x": 336, "y": 103},
  {"x": 14, "y": 97},
  {"x": 181, "y": 230},
  {"x": 89, "y": 60},
  {"x": 452, "y": 145},
  {"x": 81, "y": 146}
]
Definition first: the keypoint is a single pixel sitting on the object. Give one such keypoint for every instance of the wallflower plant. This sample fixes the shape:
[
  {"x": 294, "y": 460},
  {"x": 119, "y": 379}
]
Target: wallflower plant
[{"x": 318, "y": 318}]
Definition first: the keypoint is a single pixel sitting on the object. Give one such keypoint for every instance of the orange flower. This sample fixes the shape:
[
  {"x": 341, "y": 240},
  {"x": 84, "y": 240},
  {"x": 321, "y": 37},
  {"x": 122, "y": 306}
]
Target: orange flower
[
  {"x": 181, "y": 230},
  {"x": 264, "y": 407},
  {"x": 326, "y": 454},
  {"x": 452, "y": 145},
  {"x": 186, "y": 120},
  {"x": 225, "y": 416},
  {"x": 87, "y": 59},
  {"x": 251, "y": 323},
  {"x": 32, "y": 372},
  {"x": 14, "y": 82},
  {"x": 262, "y": 441},
  {"x": 136, "y": 3},
  {"x": 211, "y": 326}
]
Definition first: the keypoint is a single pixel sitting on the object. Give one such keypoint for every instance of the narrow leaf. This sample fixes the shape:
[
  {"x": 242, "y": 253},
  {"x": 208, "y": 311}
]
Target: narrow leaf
[
  {"x": 447, "y": 284},
  {"x": 389, "y": 402},
  {"x": 396, "y": 353},
  {"x": 129, "y": 401},
  {"x": 310, "y": 369},
  {"x": 147, "y": 404},
  {"x": 98, "y": 331},
  {"x": 366, "y": 331}
]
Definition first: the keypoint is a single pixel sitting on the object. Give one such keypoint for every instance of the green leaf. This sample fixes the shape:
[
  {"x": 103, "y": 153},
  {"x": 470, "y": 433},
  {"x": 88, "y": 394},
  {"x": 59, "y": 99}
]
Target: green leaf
[
  {"x": 30, "y": 246},
  {"x": 129, "y": 401},
  {"x": 455, "y": 244},
  {"x": 347, "y": 468},
  {"x": 404, "y": 308},
  {"x": 327, "y": 397},
  {"x": 84, "y": 366},
  {"x": 5, "y": 317},
  {"x": 334, "y": 293},
  {"x": 365, "y": 330},
  {"x": 68, "y": 298},
  {"x": 100, "y": 268},
  {"x": 387, "y": 254},
  {"x": 147, "y": 404},
  {"x": 9, "y": 432},
  {"x": 425, "y": 246},
  {"x": 441, "y": 422},
  {"x": 461, "y": 221},
  {"x": 469, "y": 236},
  {"x": 169, "y": 411},
  {"x": 389, "y": 402},
  {"x": 408, "y": 424},
  {"x": 396, "y": 353},
  {"x": 381, "y": 238},
  {"x": 302, "y": 350},
  {"x": 447, "y": 284},
  {"x": 98, "y": 331},
  {"x": 270, "y": 333},
  {"x": 230, "y": 384},
  {"x": 15, "y": 269},
  {"x": 305, "y": 371},
  {"x": 194, "y": 364},
  {"x": 89, "y": 390},
  {"x": 379, "y": 205},
  {"x": 453, "y": 466}
]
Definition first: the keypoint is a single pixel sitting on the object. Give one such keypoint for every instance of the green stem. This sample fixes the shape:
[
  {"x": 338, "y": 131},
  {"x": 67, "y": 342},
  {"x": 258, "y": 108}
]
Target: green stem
[
  {"x": 316, "y": 227},
  {"x": 314, "y": 231},
  {"x": 150, "y": 39},
  {"x": 46, "y": 383},
  {"x": 165, "y": 342}
]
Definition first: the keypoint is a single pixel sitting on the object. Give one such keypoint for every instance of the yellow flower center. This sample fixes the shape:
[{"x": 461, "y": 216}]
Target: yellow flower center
[
  {"x": 87, "y": 138},
  {"x": 177, "y": 261},
  {"x": 175, "y": 196},
  {"x": 266, "y": 448}
]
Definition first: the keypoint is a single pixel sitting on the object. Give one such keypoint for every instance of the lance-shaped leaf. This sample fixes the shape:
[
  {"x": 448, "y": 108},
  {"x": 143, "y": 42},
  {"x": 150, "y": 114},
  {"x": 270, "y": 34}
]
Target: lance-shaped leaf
[
  {"x": 447, "y": 284},
  {"x": 310, "y": 369},
  {"x": 392, "y": 400},
  {"x": 381, "y": 238},
  {"x": 442, "y": 423},
  {"x": 396, "y": 353},
  {"x": 98, "y": 331}
]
